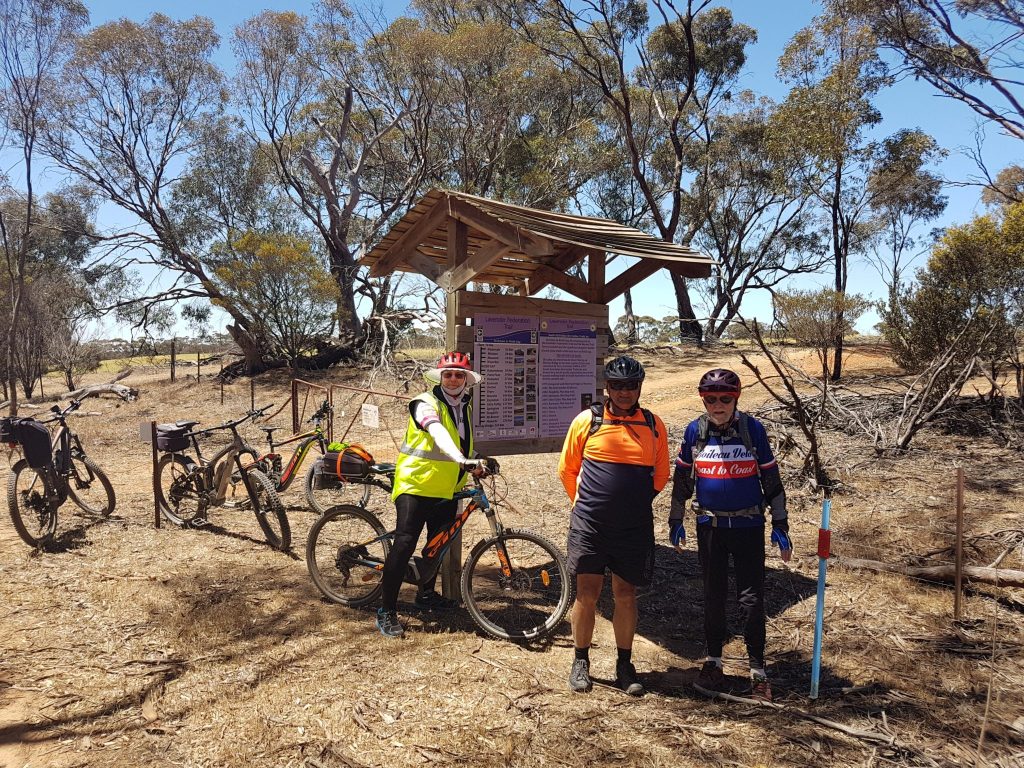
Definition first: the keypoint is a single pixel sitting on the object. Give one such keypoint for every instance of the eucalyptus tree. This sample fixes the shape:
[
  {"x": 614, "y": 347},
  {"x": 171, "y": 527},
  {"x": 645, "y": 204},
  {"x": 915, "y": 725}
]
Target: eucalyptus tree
[
  {"x": 135, "y": 100},
  {"x": 759, "y": 221},
  {"x": 36, "y": 37},
  {"x": 341, "y": 110},
  {"x": 508, "y": 120},
  {"x": 686, "y": 63},
  {"x": 834, "y": 70},
  {"x": 967, "y": 50}
]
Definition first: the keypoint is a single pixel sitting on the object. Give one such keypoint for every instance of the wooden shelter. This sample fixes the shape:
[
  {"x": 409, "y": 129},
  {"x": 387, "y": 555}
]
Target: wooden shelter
[{"x": 454, "y": 238}]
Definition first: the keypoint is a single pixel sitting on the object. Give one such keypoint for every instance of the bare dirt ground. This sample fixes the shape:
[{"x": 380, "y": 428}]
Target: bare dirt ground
[{"x": 129, "y": 645}]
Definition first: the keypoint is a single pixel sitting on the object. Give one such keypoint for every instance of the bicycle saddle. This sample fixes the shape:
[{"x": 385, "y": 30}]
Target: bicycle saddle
[
  {"x": 383, "y": 469},
  {"x": 176, "y": 425},
  {"x": 269, "y": 430}
]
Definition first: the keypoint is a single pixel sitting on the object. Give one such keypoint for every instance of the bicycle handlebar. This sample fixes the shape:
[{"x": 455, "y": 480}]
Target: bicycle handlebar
[{"x": 255, "y": 414}]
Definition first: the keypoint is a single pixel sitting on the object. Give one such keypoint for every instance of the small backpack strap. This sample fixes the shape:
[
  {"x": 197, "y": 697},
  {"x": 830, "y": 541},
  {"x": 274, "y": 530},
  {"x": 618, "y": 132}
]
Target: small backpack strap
[
  {"x": 596, "y": 417},
  {"x": 748, "y": 443},
  {"x": 698, "y": 446}
]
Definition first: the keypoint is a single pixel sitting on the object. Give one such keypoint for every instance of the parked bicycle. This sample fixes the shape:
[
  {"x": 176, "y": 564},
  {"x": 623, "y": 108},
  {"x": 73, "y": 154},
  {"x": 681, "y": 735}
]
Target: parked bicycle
[
  {"x": 515, "y": 583},
  {"x": 51, "y": 471},
  {"x": 187, "y": 487},
  {"x": 272, "y": 464}
]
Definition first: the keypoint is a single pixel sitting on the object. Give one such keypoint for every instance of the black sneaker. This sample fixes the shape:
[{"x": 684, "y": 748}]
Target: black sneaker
[
  {"x": 625, "y": 678},
  {"x": 388, "y": 624},
  {"x": 711, "y": 677},
  {"x": 432, "y": 601},
  {"x": 579, "y": 678}
]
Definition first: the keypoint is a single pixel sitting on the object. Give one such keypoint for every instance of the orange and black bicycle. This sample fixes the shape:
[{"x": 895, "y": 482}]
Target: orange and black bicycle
[{"x": 515, "y": 583}]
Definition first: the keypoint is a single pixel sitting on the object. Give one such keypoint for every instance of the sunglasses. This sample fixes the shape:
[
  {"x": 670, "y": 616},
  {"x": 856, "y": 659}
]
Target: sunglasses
[
  {"x": 723, "y": 399},
  {"x": 453, "y": 374},
  {"x": 623, "y": 386}
]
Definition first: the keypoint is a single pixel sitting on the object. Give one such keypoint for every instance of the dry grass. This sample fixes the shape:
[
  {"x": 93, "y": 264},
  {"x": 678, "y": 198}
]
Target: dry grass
[{"x": 135, "y": 646}]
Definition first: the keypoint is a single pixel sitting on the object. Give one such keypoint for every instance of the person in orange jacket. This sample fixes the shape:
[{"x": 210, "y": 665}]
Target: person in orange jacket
[{"x": 612, "y": 474}]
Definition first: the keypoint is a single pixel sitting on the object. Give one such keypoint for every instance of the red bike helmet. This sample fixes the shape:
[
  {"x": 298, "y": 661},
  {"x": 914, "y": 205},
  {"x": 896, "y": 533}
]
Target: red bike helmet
[
  {"x": 457, "y": 360},
  {"x": 720, "y": 380},
  {"x": 454, "y": 361}
]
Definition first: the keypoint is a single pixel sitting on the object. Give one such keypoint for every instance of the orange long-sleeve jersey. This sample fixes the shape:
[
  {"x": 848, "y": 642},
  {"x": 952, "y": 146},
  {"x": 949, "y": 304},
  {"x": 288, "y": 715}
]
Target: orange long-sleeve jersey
[{"x": 606, "y": 474}]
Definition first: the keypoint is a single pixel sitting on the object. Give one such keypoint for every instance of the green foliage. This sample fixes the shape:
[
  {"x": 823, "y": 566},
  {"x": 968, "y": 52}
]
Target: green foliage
[
  {"x": 281, "y": 283},
  {"x": 819, "y": 318},
  {"x": 972, "y": 289}
]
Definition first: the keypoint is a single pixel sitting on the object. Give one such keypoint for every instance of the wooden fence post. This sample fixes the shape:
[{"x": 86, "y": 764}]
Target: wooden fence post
[{"x": 174, "y": 359}]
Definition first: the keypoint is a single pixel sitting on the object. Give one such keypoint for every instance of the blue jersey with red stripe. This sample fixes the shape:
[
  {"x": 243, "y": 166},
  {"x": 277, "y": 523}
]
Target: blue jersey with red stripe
[{"x": 726, "y": 476}]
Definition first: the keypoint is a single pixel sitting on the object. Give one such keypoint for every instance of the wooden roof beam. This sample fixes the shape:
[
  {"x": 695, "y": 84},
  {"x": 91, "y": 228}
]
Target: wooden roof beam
[
  {"x": 529, "y": 243},
  {"x": 567, "y": 283},
  {"x": 567, "y": 258},
  {"x": 620, "y": 284},
  {"x": 458, "y": 276},
  {"x": 406, "y": 244}
]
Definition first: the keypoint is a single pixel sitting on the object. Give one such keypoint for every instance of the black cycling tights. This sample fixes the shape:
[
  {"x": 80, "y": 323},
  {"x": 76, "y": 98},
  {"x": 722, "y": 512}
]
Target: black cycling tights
[{"x": 413, "y": 513}]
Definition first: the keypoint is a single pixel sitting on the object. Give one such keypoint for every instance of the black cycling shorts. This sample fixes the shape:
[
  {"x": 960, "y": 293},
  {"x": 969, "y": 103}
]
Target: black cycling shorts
[{"x": 628, "y": 554}]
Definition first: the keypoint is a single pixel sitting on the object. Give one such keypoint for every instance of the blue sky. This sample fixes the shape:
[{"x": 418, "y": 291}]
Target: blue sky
[{"x": 906, "y": 105}]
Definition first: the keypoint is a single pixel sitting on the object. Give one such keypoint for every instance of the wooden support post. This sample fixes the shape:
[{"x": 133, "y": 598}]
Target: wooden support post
[
  {"x": 451, "y": 568},
  {"x": 174, "y": 360},
  {"x": 959, "y": 577},
  {"x": 199, "y": 364},
  {"x": 147, "y": 433},
  {"x": 221, "y": 377}
]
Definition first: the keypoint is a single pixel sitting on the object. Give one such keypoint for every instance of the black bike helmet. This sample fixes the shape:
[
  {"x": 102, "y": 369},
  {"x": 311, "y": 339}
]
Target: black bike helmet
[
  {"x": 624, "y": 368},
  {"x": 719, "y": 380}
]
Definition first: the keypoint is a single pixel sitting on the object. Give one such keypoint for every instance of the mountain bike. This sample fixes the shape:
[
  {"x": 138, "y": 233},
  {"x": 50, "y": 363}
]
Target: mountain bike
[
  {"x": 515, "y": 583},
  {"x": 52, "y": 471},
  {"x": 188, "y": 487},
  {"x": 272, "y": 465}
]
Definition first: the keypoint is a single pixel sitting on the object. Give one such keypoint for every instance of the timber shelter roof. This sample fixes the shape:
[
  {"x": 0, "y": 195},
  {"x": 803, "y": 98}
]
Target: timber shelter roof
[{"x": 454, "y": 238}]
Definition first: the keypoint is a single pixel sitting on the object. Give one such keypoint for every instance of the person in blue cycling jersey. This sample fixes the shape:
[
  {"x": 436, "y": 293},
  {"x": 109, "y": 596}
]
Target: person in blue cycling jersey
[{"x": 726, "y": 464}]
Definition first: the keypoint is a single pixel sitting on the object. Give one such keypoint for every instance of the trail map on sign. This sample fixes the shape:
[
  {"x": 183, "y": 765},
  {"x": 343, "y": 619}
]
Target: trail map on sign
[
  {"x": 537, "y": 374},
  {"x": 568, "y": 348}
]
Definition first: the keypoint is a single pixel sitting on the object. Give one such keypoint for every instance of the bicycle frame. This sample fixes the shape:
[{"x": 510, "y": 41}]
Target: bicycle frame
[
  {"x": 423, "y": 569},
  {"x": 216, "y": 471},
  {"x": 271, "y": 461}
]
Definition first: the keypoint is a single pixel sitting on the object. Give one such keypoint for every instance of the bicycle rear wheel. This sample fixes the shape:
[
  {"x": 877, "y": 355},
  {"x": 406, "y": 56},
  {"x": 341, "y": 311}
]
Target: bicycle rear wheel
[
  {"x": 269, "y": 510},
  {"x": 338, "y": 492},
  {"x": 89, "y": 487},
  {"x": 180, "y": 490},
  {"x": 516, "y": 586},
  {"x": 33, "y": 518},
  {"x": 345, "y": 554}
]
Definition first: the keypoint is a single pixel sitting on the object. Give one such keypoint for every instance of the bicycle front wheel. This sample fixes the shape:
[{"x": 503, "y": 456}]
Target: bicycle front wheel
[
  {"x": 269, "y": 510},
  {"x": 33, "y": 517},
  {"x": 516, "y": 586},
  {"x": 89, "y": 487},
  {"x": 345, "y": 555}
]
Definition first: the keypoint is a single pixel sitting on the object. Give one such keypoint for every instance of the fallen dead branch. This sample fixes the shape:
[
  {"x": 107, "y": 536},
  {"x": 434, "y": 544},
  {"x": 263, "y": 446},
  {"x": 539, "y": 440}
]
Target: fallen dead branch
[{"x": 1000, "y": 577}]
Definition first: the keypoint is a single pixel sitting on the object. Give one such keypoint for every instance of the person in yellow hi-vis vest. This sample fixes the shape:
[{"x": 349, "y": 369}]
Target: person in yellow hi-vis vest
[{"x": 432, "y": 465}]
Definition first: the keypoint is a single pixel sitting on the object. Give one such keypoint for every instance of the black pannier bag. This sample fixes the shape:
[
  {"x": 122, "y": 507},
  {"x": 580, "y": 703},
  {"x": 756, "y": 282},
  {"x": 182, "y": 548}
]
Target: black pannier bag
[
  {"x": 171, "y": 437},
  {"x": 34, "y": 439},
  {"x": 353, "y": 463}
]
